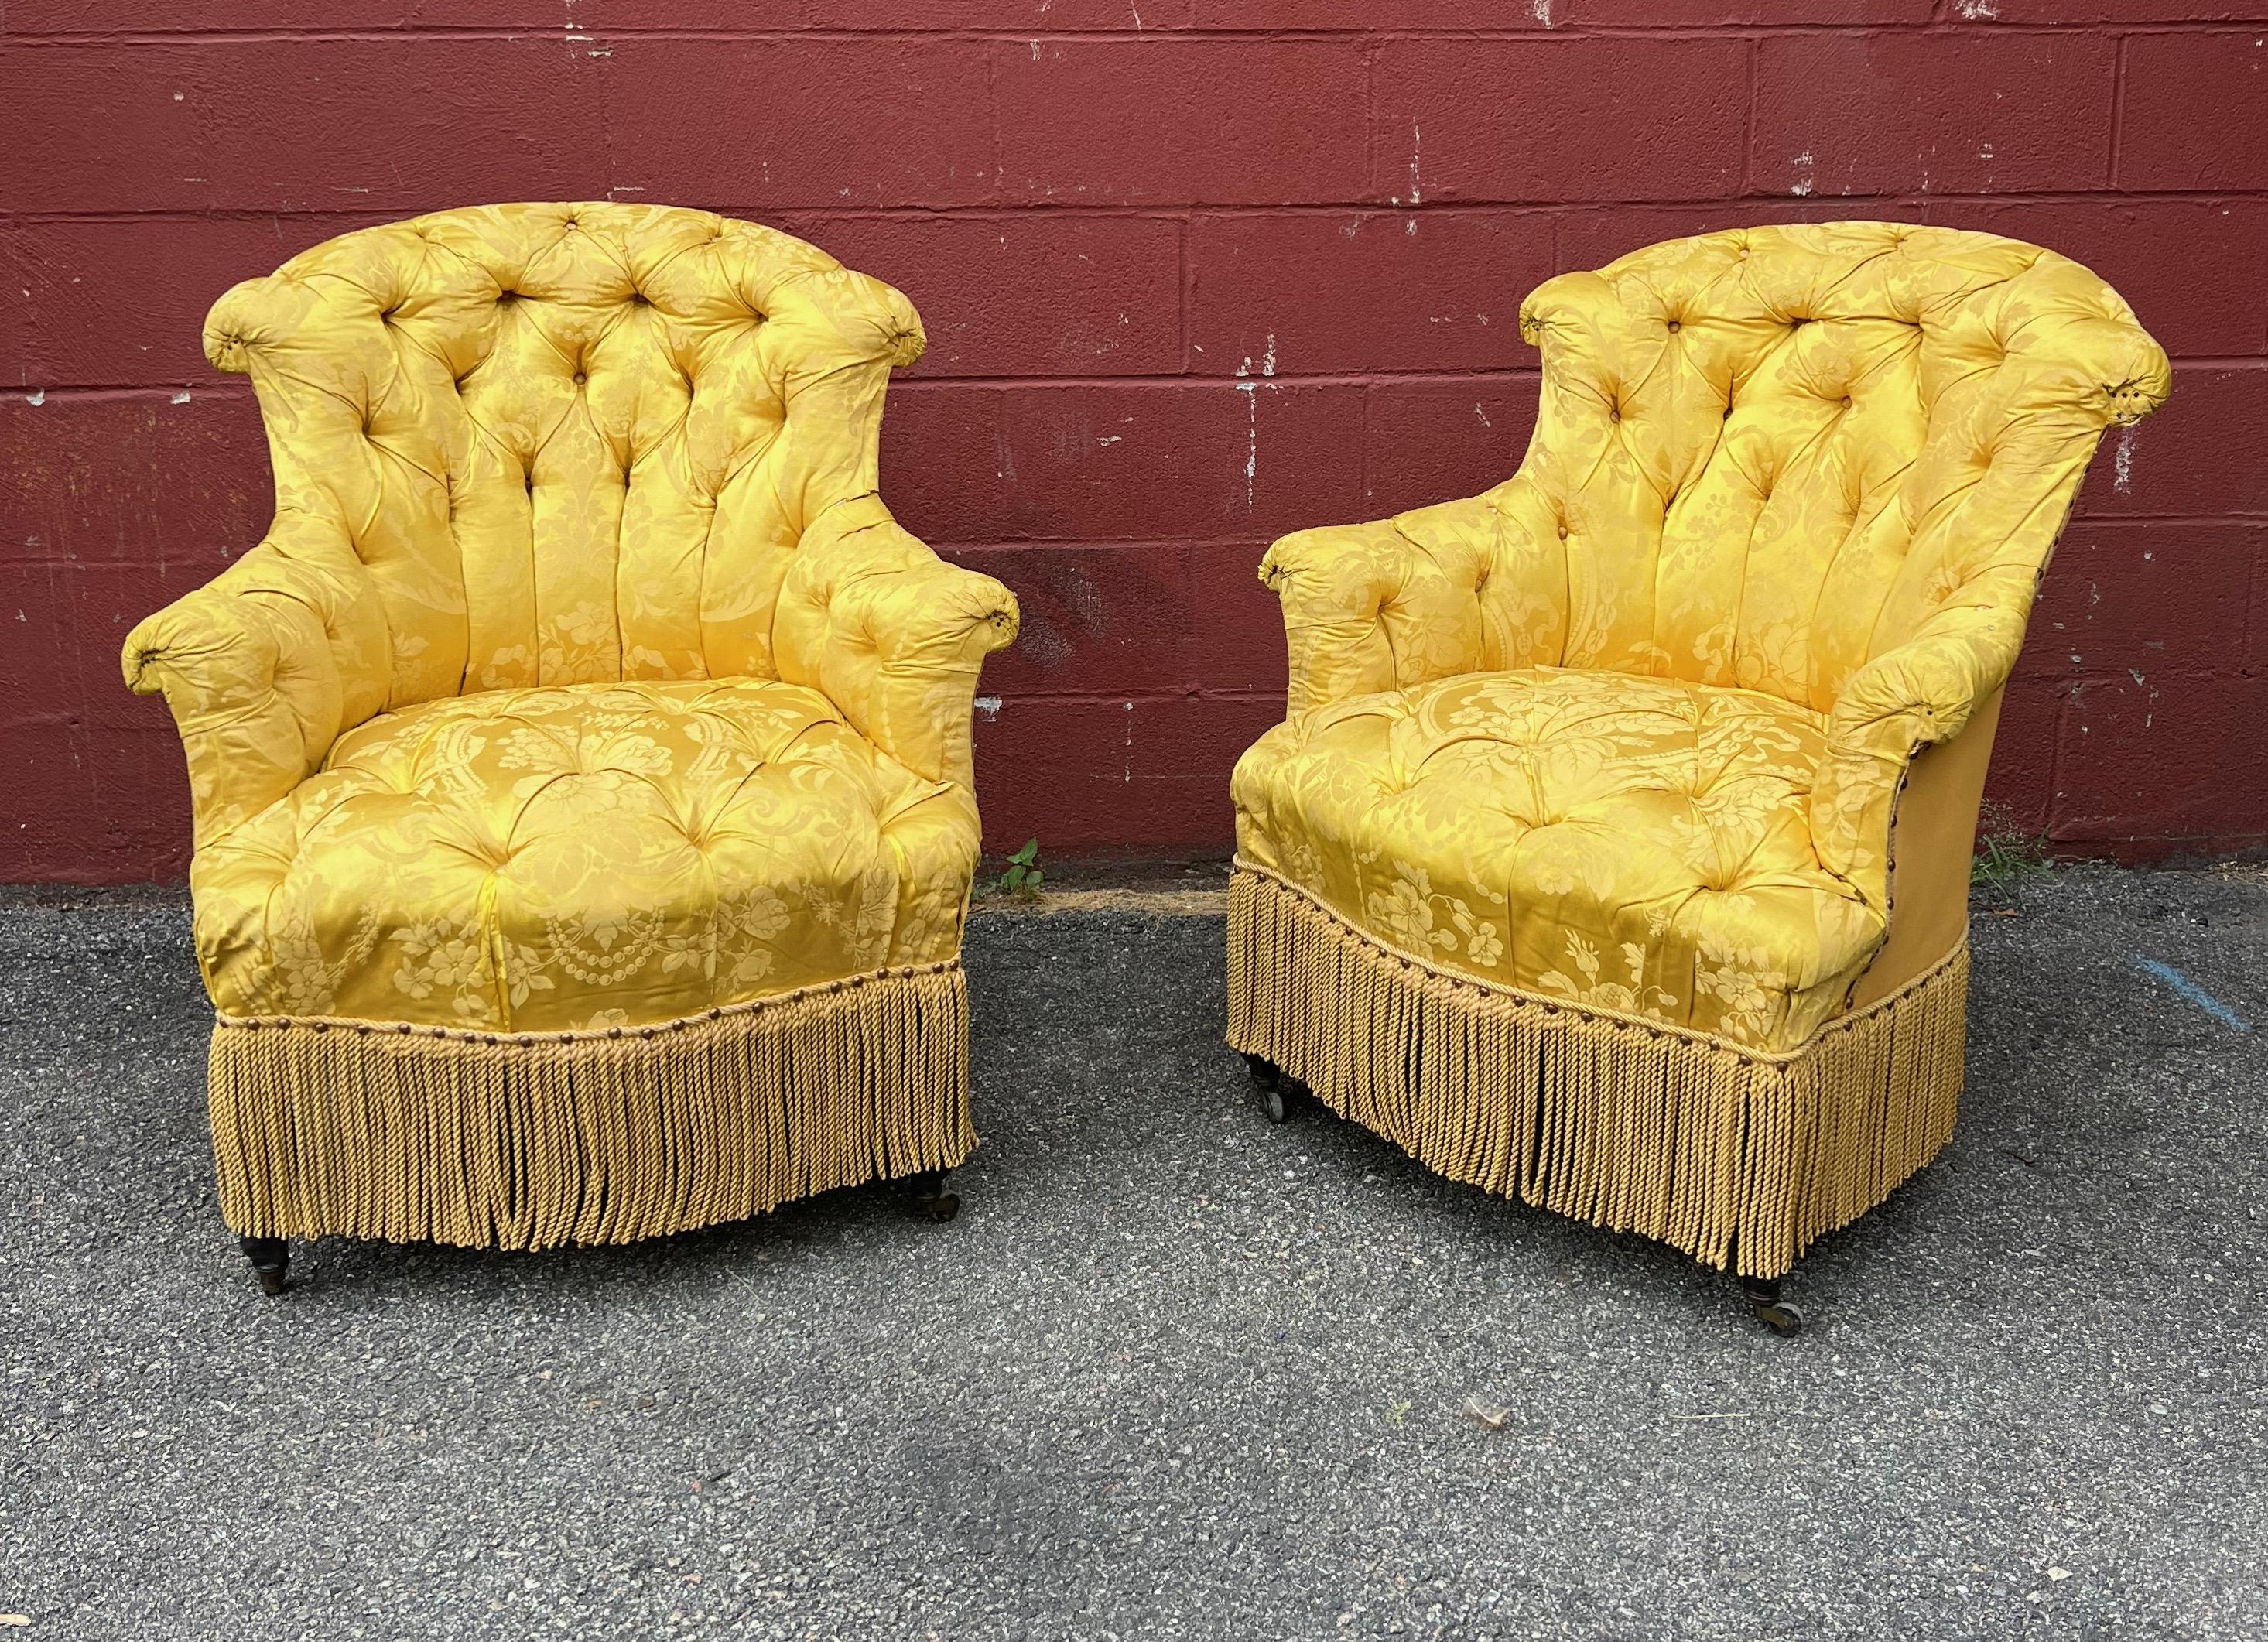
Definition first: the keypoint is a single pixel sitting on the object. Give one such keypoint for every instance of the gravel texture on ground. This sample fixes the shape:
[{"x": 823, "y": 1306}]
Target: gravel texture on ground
[{"x": 1174, "y": 1372}]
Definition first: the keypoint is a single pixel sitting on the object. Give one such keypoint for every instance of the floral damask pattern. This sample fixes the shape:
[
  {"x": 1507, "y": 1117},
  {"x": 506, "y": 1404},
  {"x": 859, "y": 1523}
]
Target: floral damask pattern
[
  {"x": 1782, "y": 519},
  {"x": 584, "y": 855},
  {"x": 1630, "y": 995},
  {"x": 1408, "y": 912},
  {"x": 1744, "y": 981},
  {"x": 1629, "y": 844}
]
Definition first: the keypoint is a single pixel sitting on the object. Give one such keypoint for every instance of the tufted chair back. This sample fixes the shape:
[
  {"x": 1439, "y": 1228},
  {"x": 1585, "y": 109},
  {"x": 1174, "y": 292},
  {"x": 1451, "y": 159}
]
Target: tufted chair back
[
  {"x": 557, "y": 444},
  {"x": 1765, "y": 457}
]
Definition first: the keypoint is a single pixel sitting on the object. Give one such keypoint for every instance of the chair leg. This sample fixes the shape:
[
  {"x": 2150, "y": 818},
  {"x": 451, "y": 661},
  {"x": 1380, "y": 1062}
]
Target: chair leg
[
  {"x": 1763, "y": 1295},
  {"x": 271, "y": 1261},
  {"x": 1269, "y": 1079},
  {"x": 932, "y": 1195}
]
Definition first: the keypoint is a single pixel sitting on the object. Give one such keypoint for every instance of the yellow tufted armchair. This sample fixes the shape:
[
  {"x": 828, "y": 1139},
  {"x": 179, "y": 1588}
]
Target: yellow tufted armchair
[
  {"x": 1615, "y": 852},
  {"x": 581, "y": 765}
]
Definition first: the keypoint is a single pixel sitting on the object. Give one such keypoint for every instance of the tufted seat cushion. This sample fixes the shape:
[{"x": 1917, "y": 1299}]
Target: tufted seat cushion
[
  {"x": 584, "y": 855},
  {"x": 1637, "y": 845}
]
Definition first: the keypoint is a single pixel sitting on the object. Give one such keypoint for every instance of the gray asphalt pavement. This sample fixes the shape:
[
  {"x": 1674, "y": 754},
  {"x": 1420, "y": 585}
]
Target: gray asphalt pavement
[{"x": 1173, "y": 1373}]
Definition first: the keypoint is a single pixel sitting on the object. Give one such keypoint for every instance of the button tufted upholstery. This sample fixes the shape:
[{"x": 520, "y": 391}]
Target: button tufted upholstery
[
  {"x": 581, "y": 764},
  {"x": 1633, "y": 843},
  {"x": 1630, "y": 728},
  {"x": 1614, "y": 853},
  {"x": 584, "y": 855},
  {"x": 584, "y": 676}
]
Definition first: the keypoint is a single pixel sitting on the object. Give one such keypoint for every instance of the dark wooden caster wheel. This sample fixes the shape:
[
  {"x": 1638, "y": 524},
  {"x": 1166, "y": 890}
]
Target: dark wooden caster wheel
[
  {"x": 1269, "y": 1079},
  {"x": 271, "y": 1262},
  {"x": 932, "y": 1195},
  {"x": 1780, "y": 1315}
]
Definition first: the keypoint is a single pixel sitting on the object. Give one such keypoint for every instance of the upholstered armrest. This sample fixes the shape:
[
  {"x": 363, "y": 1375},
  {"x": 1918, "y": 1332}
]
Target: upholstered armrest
[
  {"x": 1909, "y": 697},
  {"x": 1382, "y": 605},
  {"x": 263, "y": 666},
  {"x": 891, "y": 634}
]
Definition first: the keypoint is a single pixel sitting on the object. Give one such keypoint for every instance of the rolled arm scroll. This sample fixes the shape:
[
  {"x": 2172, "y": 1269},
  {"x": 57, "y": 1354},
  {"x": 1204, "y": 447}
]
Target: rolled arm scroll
[
  {"x": 263, "y": 666},
  {"x": 1910, "y": 697},
  {"x": 1382, "y": 605},
  {"x": 893, "y": 635}
]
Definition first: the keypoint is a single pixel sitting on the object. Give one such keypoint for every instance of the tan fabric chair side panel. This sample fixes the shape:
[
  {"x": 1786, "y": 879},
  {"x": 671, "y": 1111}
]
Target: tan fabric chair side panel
[{"x": 1933, "y": 842}]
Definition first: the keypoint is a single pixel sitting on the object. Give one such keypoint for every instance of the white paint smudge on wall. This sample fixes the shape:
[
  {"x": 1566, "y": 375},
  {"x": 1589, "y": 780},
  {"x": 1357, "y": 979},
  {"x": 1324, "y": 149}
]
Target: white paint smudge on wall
[
  {"x": 1252, "y": 441},
  {"x": 2122, "y": 463},
  {"x": 1251, "y": 391}
]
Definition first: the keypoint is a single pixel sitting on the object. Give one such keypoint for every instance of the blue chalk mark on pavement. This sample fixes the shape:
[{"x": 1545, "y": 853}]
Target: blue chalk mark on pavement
[{"x": 2193, "y": 992}]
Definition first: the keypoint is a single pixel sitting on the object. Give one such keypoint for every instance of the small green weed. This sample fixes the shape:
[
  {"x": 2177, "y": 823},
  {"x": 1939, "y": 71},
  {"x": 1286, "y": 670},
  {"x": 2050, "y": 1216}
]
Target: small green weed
[
  {"x": 2006, "y": 854},
  {"x": 1022, "y": 877}
]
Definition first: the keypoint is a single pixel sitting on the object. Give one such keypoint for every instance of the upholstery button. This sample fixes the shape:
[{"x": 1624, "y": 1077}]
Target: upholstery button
[
  {"x": 1614, "y": 416},
  {"x": 1846, "y": 401},
  {"x": 1675, "y": 324},
  {"x": 1563, "y": 533},
  {"x": 580, "y": 378}
]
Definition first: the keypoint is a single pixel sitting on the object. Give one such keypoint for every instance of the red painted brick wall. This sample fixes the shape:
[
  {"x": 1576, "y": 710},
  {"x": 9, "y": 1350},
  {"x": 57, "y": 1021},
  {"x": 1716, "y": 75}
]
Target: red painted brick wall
[{"x": 1195, "y": 272}]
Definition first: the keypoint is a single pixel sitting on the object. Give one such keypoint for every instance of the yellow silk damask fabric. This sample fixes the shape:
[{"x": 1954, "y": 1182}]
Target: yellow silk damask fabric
[
  {"x": 583, "y": 679},
  {"x": 1632, "y": 844},
  {"x": 1792, "y": 485},
  {"x": 582, "y": 857}
]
